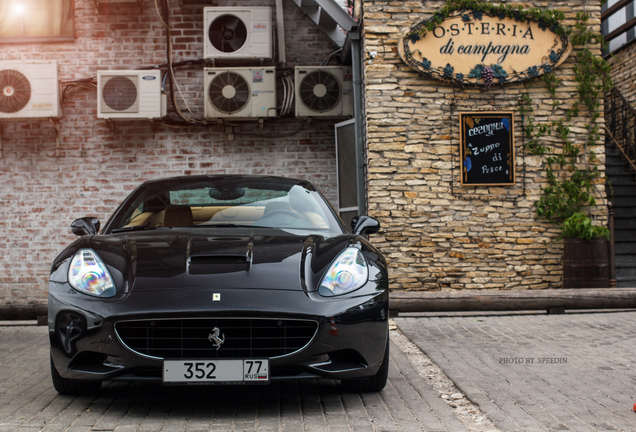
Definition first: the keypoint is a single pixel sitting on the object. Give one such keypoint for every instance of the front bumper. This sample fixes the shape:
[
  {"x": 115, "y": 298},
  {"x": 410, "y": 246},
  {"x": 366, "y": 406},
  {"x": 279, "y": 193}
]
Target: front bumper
[{"x": 349, "y": 342}]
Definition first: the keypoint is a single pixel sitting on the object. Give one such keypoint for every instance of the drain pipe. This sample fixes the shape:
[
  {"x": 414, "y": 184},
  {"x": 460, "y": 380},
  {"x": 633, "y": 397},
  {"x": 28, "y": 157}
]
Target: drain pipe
[
  {"x": 356, "y": 66},
  {"x": 280, "y": 33}
]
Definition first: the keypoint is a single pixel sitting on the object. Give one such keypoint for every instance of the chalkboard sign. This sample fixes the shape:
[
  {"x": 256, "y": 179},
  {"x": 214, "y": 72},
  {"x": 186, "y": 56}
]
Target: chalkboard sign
[{"x": 487, "y": 148}]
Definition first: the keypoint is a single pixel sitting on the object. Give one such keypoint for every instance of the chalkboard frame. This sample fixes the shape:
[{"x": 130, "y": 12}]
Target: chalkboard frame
[{"x": 510, "y": 154}]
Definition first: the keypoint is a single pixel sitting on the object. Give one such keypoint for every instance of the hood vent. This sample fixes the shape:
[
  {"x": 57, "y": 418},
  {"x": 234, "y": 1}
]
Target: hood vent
[{"x": 216, "y": 264}]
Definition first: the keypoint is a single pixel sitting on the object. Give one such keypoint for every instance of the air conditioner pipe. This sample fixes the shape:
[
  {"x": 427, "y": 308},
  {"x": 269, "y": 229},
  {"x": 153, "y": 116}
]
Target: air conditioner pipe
[
  {"x": 326, "y": 62},
  {"x": 280, "y": 33},
  {"x": 356, "y": 68},
  {"x": 166, "y": 22}
]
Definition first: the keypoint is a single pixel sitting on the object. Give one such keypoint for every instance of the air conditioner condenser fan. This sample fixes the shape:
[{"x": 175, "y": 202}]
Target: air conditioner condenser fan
[
  {"x": 229, "y": 92},
  {"x": 119, "y": 93},
  {"x": 227, "y": 33},
  {"x": 320, "y": 91},
  {"x": 16, "y": 91}
]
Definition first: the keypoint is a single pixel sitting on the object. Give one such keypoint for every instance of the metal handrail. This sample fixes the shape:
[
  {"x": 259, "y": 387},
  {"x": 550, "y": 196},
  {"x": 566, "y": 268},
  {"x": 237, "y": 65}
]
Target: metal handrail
[{"x": 622, "y": 150}]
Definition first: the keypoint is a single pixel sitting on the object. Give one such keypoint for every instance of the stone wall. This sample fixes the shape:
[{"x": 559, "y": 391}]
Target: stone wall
[
  {"x": 42, "y": 193},
  {"x": 623, "y": 64},
  {"x": 436, "y": 233}
]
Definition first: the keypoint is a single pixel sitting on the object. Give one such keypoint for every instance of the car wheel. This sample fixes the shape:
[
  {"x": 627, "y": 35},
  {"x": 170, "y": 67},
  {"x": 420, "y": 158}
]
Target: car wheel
[
  {"x": 66, "y": 386},
  {"x": 373, "y": 383}
]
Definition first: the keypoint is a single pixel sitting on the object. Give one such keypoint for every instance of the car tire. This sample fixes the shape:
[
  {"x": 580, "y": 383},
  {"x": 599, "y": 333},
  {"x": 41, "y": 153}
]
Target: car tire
[
  {"x": 66, "y": 386},
  {"x": 373, "y": 383}
]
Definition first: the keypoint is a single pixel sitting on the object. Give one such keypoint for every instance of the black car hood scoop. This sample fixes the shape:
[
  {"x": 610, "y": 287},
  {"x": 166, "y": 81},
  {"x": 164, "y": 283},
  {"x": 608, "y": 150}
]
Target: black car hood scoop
[
  {"x": 215, "y": 264},
  {"x": 220, "y": 255}
]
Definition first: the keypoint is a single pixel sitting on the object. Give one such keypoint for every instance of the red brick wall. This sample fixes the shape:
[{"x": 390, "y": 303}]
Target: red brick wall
[{"x": 41, "y": 194}]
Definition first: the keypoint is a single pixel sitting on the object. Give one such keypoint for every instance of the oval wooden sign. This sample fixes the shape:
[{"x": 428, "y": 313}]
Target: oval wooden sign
[{"x": 469, "y": 46}]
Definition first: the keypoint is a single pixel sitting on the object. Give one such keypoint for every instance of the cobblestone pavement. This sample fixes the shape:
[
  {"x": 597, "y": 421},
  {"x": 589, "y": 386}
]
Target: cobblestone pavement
[
  {"x": 28, "y": 401},
  {"x": 537, "y": 372}
]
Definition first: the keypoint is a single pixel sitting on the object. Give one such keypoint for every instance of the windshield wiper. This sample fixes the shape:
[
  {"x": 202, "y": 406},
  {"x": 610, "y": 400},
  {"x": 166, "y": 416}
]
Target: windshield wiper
[
  {"x": 136, "y": 228},
  {"x": 226, "y": 225}
]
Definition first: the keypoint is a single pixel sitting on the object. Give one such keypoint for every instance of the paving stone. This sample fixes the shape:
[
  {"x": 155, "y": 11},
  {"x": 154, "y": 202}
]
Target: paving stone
[
  {"x": 532, "y": 371},
  {"x": 28, "y": 401}
]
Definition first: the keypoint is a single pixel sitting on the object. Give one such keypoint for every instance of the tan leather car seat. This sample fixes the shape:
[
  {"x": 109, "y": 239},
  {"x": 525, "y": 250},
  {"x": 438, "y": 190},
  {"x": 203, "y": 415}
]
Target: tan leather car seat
[{"x": 177, "y": 216}]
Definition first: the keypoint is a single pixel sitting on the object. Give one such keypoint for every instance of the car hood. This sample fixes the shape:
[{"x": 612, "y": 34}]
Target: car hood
[{"x": 214, "y": 258}]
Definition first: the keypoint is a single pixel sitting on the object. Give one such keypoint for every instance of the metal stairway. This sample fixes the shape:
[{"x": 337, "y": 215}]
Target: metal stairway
[
  {"x": 620, "y": 169},
  {"x": 330, "y": 17}
]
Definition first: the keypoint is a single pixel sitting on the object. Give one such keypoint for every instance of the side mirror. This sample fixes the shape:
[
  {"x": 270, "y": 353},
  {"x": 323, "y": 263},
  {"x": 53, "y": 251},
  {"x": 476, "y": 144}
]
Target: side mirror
[
  {"x": 366, "y": 225},
  {"x": 354, "y": 222},
  {"x": 85, "y": 226}
]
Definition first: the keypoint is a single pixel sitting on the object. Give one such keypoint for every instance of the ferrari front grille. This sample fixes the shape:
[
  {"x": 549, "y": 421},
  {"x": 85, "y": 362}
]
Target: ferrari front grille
[{"x": 210, "y": 338}]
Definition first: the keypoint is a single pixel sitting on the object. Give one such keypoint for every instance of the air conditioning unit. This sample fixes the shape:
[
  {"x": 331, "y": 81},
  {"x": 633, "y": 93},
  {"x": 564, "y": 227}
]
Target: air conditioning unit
[
  {"x": 237, "y": 33},
  {"x": 240, "y": 92},
  {"x": 130, "y": 94},
  {"x": 324, "y": 91},
  {"x": 29, "y": 90}
]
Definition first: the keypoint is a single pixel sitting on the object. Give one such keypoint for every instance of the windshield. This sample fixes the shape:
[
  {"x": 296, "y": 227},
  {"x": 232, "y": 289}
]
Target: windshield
[{"x": 220, "y": 202}]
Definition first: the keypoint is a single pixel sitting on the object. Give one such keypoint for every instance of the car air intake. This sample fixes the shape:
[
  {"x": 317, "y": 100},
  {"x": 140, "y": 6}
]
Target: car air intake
[
  {"x": 199, "y": 337},
  {"x": 217, "y": 264}
]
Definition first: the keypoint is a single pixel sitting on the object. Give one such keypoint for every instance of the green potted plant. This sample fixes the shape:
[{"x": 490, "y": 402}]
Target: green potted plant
[{"x": 585, "y": 253}]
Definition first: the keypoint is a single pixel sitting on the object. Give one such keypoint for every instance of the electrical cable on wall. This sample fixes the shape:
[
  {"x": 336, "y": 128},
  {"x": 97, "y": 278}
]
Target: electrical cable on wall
[
  {"x": 288, "y": 93},
  {"x": 70, "y": 86},
  {"x": 326, "y": 62},
  {"x": 171, "y": 80}
]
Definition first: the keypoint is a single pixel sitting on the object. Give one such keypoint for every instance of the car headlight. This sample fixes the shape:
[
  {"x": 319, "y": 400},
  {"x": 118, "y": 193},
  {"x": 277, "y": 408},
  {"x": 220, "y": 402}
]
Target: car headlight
[
  {"x": 347, "y": 273},
  {"x": 88, "y": 274}
]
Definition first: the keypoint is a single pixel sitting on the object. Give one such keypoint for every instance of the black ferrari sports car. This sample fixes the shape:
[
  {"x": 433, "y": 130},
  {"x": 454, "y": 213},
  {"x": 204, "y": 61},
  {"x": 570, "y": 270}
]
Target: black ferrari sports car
[{"x": 220, "y": 280}]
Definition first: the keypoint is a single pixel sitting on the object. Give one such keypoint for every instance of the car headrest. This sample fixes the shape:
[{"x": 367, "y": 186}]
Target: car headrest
[
  {"x": 276, "y": 205},
  {"x": 300, "y": 200},
  {"x": 177, "y": 215},
  {"x": 155, "y": 204}
]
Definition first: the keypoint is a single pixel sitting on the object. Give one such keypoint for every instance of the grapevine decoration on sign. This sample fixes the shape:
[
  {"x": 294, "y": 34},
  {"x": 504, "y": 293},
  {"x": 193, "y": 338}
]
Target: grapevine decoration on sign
[
  {"x": 488, "y": 73},
  {"x": 495, "y": 36}
]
